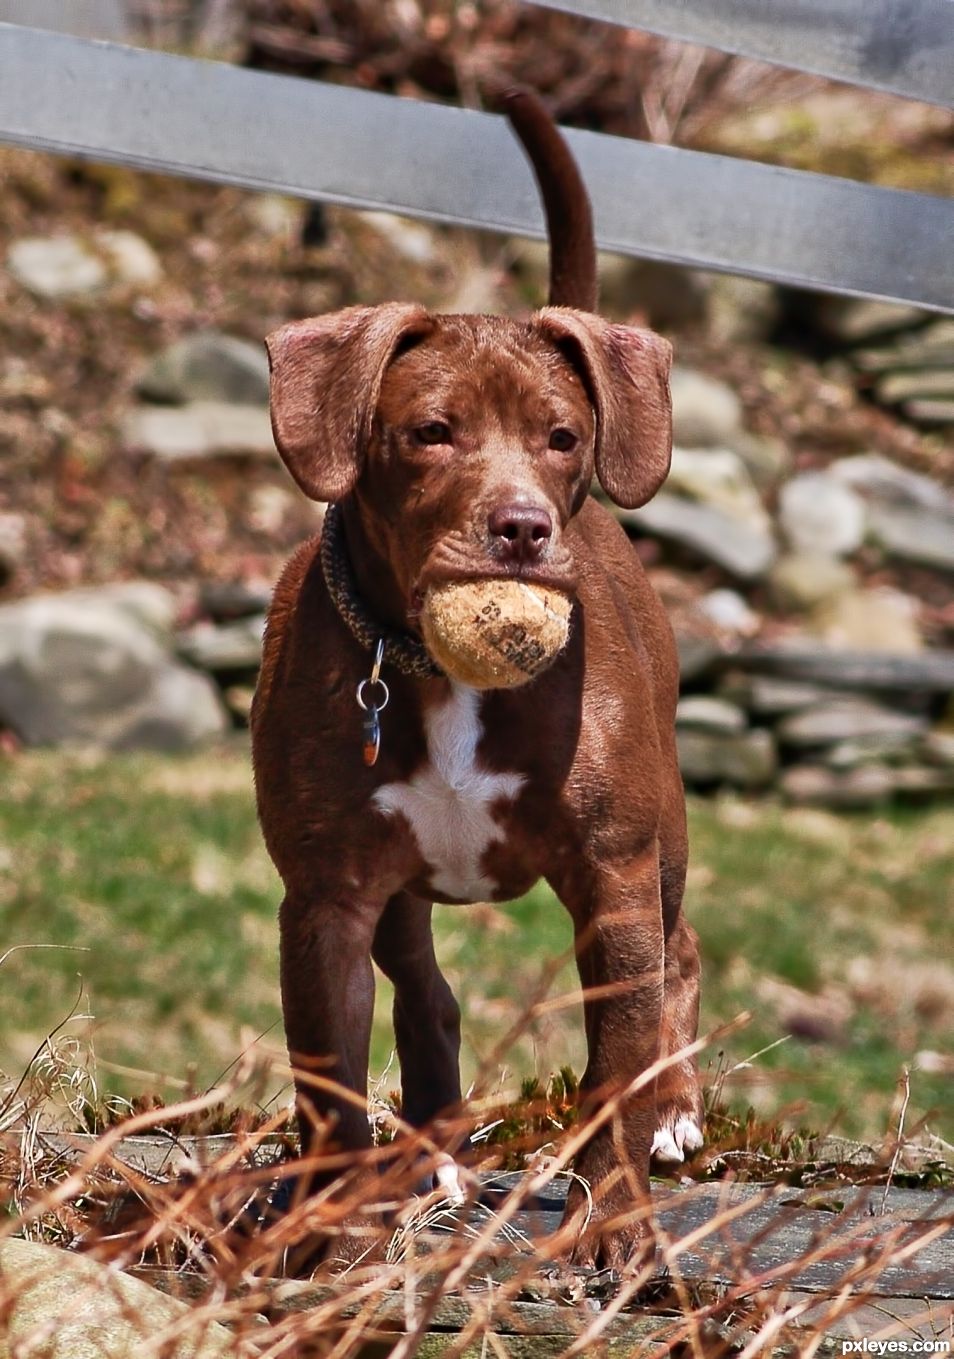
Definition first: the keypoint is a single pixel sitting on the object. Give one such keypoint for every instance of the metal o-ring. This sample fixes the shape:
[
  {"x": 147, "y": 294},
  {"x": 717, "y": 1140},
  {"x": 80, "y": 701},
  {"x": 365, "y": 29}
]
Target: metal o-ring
[{"x": 378, "y": 707}]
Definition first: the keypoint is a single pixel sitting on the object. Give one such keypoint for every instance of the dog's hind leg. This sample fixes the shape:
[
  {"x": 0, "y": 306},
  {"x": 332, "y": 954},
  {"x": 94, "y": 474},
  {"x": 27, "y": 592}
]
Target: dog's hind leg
[{"x": 678, "y": 1094}]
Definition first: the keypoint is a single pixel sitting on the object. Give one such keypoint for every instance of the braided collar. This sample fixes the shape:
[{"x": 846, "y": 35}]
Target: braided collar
[{"x": 406, "y": 653}]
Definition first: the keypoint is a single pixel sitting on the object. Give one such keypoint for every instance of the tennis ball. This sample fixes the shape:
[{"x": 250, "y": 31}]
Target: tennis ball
[{"x": 494, "y": 634}]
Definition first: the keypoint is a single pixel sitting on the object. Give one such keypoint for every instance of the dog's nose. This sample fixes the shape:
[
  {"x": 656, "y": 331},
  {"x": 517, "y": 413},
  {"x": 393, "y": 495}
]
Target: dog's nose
[{"x": 520, "y": 532}]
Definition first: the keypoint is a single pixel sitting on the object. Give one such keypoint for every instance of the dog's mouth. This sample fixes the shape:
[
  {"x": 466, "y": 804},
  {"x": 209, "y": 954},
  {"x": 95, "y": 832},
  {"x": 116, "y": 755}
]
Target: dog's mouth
[
  {"x": 455, "y": 563},
  {"x": 563, "y": 583}
]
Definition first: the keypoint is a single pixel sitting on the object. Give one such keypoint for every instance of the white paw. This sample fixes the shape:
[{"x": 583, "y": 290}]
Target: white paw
[
  {"x": 447, "y": 1181},
  {"x": 672, "y": 1144}
]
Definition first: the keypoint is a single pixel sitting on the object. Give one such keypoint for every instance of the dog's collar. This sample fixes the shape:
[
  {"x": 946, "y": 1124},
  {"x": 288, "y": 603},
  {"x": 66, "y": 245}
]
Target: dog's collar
[{"x": 406, "y": 653}]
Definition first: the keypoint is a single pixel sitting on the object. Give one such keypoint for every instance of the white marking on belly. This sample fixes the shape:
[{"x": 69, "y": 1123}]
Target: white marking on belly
[{"x": 449, "y": 802}]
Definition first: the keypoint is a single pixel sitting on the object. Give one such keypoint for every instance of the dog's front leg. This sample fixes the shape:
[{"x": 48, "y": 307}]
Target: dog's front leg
[
  {"x": 426, "y": 1015},
  {"x": 327, "y": 986},
  {"x": 619, "y": 946}
]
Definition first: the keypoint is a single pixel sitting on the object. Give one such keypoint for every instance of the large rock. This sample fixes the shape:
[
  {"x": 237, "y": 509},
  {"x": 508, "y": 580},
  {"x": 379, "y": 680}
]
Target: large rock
[
  {"x": 797, "y": 658},
  {"x": 199, "y": 430},
  {"x": 208, "y": 366},
  {"x": 803, "y": 580},
  {"x": 853, "y": 320},
  {"x": 143, "y": 601},
  {"x": 869, "y": 620},
  {"x": 702, "y": 712},
  {"x": 847, "y": 719},
  {"x": 916, "y": 781},
  {"x": 718, "y": 477},
  {"x": 697, "y": 655},
  {"x": 706, "y": 413},
  {"x": 744, "y": 759},
  {"x": 228, "y": 600},
  {"x": 930, "y": 347},
  {"x": 84, "y": 668},
  {"x": 867, "y": 785},
  {"x": 227, "y": 647},
  {"x": 875, "y": 747},
  {"x": 913, "y": 535},
  {"x": 896, "y": 388},
  {"x": 808, "y": 785},
  {"x": 729, "y": 613},
  {"x": 743, "y": 550},
  {"x": 880, "y": 480},
  {"x": 129, "y": 258},
  {"x": 821, "y": 517},
  {"x": 931, "y": 410},
  {"x": 767, "y": 696},
  {"x": 58, "y": 1305},
  {"x": 767, "y": 458},
  {"x": 908, "y": 514},
  {"x": 55, "y": 268},
  {"x": 69, "y": 266}
]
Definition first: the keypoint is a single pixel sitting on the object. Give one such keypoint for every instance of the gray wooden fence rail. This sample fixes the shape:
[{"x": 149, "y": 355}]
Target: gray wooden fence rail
[
  {"x": 901, "y": 46},
  {"x": 211, "y": 121}
]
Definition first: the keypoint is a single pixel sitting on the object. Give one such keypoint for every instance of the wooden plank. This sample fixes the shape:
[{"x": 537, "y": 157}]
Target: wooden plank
[
  {"x": 211, "y": 121},
  {"x": 920, "y": 1317},
  {"x": 781, "y": 1226},
  {"x": 890, "y": 45},
  {"x": 155, "y": 1156},
  {"x": 780, "y": 1231}
]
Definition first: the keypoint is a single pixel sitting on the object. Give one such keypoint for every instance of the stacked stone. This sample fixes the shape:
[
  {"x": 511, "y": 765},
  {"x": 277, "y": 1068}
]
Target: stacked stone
[{"x": 805, "y": 667}]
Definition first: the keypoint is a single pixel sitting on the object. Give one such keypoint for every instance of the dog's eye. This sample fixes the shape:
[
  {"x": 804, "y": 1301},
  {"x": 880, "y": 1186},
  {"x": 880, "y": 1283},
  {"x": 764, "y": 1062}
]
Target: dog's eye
[
  {"x": 435, "y": 432},
  {"x": 563, "y": 440}
]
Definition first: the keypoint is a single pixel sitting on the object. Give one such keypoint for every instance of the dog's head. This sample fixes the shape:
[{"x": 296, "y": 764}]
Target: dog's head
[{"x": 469, "y": 442}]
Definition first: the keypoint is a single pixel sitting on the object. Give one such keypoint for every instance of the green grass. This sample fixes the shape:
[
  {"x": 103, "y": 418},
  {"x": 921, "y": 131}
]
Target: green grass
[{"x": 154, "y": 868}]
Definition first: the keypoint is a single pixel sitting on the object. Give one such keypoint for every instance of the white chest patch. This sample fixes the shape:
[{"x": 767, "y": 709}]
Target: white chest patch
[{"x": 449, "y": 802}]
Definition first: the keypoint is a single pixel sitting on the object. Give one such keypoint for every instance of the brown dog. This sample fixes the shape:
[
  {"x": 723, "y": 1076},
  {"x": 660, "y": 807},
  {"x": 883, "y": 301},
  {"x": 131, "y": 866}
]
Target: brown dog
[{"x": 463, "y": 447}]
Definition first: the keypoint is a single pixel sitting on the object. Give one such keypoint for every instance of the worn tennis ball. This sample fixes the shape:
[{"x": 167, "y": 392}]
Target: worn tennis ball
[{"x": 494, "y": 634}]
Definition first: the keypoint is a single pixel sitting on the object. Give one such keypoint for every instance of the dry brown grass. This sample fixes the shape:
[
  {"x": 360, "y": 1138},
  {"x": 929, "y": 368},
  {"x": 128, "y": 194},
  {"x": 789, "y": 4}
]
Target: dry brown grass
[{"x": 199, "y": 1218}]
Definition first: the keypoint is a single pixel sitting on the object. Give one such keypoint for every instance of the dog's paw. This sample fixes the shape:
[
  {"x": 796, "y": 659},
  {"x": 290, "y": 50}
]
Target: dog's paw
[
  {"x": 675, "y": 1138},
  {"x": 448, "y": 1179},
  {"x": 445, "y": 1179},
  {"x": 611, "y": 1233}
]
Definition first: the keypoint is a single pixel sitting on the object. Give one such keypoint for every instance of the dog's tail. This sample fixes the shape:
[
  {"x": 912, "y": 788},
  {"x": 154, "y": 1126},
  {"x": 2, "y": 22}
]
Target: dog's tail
[{"x": 573, "y": 281}]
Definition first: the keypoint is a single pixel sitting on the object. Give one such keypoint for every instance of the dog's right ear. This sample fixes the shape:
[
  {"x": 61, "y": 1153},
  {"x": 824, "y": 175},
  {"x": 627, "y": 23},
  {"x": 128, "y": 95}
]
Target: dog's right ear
[{"x": 325, "y": 381}]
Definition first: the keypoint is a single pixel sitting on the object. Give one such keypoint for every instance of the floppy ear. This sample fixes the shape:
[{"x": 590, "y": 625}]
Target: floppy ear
[
  {"x": 325, "y": 381},
  {"x": 627, "y": 372}
]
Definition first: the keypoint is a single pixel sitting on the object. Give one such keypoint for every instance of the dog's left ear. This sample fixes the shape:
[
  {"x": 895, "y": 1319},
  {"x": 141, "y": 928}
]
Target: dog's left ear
[{"x": 627, "y": 373}]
